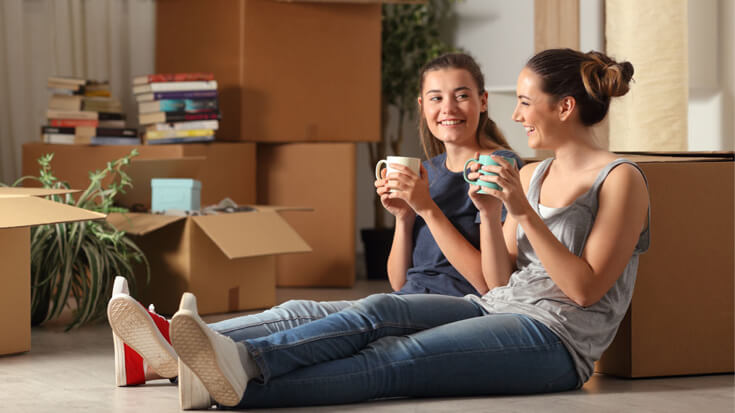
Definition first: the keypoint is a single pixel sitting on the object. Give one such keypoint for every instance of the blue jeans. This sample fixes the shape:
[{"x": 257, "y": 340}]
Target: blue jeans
[
  {"x": 390, "y": 345},
  {"x": 282, "y": 317}
]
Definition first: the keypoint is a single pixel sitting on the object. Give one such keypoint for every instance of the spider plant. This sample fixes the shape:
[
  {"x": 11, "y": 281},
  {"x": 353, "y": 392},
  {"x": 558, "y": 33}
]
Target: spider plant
[{"x": 74, "y": 264}]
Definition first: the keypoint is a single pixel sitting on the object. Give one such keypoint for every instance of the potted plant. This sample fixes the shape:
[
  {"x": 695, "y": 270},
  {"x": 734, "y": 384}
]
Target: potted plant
[
  {"x": 410, "y": 38},
  {"x": 79, "y": 260}
]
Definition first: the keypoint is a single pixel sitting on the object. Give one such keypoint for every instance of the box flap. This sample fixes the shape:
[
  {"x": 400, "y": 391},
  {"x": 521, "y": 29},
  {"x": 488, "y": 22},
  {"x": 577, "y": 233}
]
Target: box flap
[
  {"x": 23, "y": 211},
  {"x": 141, "y": 172},
  {"x": 251, "y": 234},
  {"x": 21, "y": 191},
  {"x": 140, "y": 223},
  {"x": 280, "y": 208}
]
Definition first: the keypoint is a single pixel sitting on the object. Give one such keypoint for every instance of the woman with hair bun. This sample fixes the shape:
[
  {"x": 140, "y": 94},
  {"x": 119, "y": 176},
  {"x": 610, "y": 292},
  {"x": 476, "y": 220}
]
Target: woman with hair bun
[{"x": 560, "y": 272}]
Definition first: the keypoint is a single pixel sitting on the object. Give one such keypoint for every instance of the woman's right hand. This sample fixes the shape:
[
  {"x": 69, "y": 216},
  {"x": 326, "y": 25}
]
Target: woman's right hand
[
  {"x": 486, "y": 204},
  {"x": 395, "y": 206}
]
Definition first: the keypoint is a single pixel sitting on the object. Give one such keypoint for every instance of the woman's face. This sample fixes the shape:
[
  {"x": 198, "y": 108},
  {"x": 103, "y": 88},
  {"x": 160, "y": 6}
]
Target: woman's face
[
  {"x": 451, "y": 105},
  {"x": 535, "y": 110}
]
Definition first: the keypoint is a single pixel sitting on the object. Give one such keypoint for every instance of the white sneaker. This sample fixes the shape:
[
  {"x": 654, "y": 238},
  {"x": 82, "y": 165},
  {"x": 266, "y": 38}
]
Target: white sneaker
[
  {"x": 142, "y": 331},
  {"x": 213, "y": 357},
  {"x": 192, "y": 393}
]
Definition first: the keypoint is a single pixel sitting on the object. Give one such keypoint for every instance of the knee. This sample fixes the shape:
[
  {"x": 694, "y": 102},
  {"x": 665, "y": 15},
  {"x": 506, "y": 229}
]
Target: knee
[
  {"x": 291, "y": 304},
  {"x": 378, "y": 304}
]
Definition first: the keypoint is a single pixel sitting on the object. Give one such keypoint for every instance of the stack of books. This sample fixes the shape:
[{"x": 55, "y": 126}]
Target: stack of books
[
  {"x": 177, "y": 108},
  {"x": 84, "y": 112}
]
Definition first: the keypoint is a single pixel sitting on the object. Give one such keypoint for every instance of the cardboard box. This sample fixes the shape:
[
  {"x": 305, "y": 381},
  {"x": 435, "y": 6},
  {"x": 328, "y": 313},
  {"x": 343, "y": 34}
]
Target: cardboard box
[
  {"x": 20, "y": 208},
  {"x": 227, "y": 260},
  {"x": 320, "y": 176},
  {"x": 286, "y": 72},
  {"x": 681, "y": 317},
  {"x": 224, "y": 169}
]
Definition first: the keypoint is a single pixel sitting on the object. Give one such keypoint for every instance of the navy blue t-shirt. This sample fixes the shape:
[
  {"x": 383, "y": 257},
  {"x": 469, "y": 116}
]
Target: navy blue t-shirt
[{"x": 431, "y": 272}]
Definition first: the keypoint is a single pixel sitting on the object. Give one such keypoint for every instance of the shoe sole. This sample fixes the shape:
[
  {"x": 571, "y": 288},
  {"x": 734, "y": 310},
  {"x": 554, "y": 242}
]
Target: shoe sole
[
  {"x": 192, "y": 393},
  {"x": 197, "y": 351},
  {"x": 121, "y": 371},
  {"x": 134, "y": 326}
]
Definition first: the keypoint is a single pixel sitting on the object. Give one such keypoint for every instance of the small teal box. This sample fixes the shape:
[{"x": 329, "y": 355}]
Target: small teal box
[{"x": 170, "y": 193}]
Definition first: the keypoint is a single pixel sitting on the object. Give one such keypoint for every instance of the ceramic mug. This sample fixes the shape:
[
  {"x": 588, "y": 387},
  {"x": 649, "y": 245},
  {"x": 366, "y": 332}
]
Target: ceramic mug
[
  {"x": 413, "y": 164},
  {"x": 485, "y": 160}
]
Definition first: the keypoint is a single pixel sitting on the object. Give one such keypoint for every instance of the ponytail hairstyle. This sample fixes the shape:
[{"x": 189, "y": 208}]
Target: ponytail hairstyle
[
  {"x": 488, "y": 133},
  {"x": 590, "y": 78}
]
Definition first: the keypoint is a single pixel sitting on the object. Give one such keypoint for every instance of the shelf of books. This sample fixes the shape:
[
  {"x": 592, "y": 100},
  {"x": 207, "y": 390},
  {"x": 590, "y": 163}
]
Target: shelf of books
[
  {"x": 177, "y": 108},
  {"x": 82, "y": 111}
]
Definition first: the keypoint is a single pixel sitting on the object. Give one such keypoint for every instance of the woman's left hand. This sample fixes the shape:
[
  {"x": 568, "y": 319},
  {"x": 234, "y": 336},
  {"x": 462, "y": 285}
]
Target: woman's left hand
[{"x": 508, "y": 178}]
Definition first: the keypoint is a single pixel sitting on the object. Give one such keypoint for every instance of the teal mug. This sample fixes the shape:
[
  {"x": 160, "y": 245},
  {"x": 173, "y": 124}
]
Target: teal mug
[{"x": 485, "y": 160}]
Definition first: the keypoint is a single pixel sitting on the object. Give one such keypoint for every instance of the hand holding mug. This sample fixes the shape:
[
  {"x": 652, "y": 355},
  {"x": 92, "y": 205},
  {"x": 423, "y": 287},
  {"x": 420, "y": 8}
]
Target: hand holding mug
[
  {"x": 484, "y": 161},
  {"x": 394, "y": 205},
  {"x": 407, "y": 180},
  {"x": 504, "y": 175}
]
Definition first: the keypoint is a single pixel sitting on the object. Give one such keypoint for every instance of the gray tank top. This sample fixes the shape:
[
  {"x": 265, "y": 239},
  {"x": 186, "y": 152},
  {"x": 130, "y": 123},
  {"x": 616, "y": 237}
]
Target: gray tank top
[{"x": 585, "y": 331}]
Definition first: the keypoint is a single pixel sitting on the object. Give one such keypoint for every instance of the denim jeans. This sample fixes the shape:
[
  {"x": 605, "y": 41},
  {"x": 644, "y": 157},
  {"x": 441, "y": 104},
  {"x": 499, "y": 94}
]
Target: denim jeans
[
  {"x": 389, "y": 345},
  {"x": 282, "y": 317}
]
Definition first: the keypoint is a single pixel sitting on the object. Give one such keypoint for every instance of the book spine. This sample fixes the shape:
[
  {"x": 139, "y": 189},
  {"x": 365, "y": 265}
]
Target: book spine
[
  {"x": 179, "y": 116},
  {"x": 55, "y": 130},
  {"x": 179, "y": 77},
  {"x": 172, "y": 105},
  {"x": 182, "y": 86},
  {"x": 194, "y": 94},
  {"x": 127, "y": 132},
  {"x": 178, "y": 133},
  {"x": 114, "y": 140},
  {"x": 72, "y": 122},
  {"x": 71, "y": 114},
  {"x": 181, "y": 140},
  {"x": 187, "y": 105},
  {"x": 110, "y": 116},
  {"x": 196, "y": 124},
  {"x": 57, "y": 138}
]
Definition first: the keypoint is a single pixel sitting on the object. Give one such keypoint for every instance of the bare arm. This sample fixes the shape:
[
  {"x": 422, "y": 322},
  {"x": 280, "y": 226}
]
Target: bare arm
[
  {"x": 623, "y": 204},
  {"x": 463, "y": 256},
  {"x": 400, "y": 258},
  {"x": 498, "y": 242}
]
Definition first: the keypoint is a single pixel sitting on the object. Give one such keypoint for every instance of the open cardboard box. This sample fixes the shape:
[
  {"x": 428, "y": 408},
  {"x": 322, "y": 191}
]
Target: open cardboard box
[
  {"x": 20, "y": 208},
  {"x": 680, "y": 320},
  {"x": 228, "y": 260}
]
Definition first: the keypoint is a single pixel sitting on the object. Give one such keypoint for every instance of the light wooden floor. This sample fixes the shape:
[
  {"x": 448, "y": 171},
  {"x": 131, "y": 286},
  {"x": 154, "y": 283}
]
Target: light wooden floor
[{"x": 73, "y": 372}]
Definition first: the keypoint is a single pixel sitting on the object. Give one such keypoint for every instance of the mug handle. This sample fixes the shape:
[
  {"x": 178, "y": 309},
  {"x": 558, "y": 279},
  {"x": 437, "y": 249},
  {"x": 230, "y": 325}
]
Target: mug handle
[
  {"x": 464, "y": 170},
  {"x": 378, "y": 167}
]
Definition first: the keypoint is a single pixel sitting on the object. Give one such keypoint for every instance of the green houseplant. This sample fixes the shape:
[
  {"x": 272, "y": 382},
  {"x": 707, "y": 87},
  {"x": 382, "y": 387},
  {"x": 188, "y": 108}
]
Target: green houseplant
[
  {"x": 410, "y": 38},
  {"x": 78, "y": 261}
]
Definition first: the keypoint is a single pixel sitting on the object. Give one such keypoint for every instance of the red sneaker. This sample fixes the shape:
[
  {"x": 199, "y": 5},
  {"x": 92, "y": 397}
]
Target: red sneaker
[{"x": 140, "y": 337}]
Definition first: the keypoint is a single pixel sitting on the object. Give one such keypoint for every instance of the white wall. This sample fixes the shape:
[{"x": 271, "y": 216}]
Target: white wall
[
  {"x": 710, "y": 65},
  {"x": 726, "y": 23},
  {"x": 499, "y": 34}
]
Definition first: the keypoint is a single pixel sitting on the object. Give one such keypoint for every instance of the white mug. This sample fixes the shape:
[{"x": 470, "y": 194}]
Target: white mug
[{"x": 413, "y": 164}]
